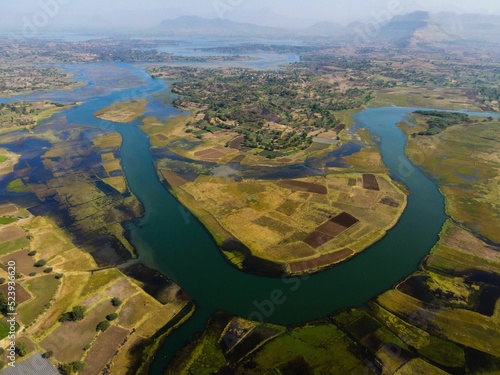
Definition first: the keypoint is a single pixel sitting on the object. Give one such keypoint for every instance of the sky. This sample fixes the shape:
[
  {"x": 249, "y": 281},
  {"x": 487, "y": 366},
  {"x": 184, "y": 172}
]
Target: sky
[{"x": 144, "y": 13}]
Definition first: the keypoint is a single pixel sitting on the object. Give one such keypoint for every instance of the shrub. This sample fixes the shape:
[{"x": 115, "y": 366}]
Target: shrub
[
  {"x": 2, "y": 280},
  {"x": 112, "y": 316},
  {"x": 32, "y": 253},
  {"x": 115, "y": 301},
  {"x": 48, "y": 354},
  {"x": 41, "y": 263},
  {"x": 32, "y": 274},
  {"x": 48, "y": 270},
  {"x": 59, "y": 276},
  {"x": 102, "y": 326},
  {"x": 21, "y": 349},
  {"x": 76, "y": 314}
]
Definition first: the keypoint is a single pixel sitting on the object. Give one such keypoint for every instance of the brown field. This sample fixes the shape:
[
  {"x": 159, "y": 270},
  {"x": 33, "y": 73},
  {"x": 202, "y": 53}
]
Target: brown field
[
  {"x": 303, "y": 186},
  {"x": 7, "y": 209},
  {"x": 24, "y": 263},
  {"x": 68, "y": 340},
  {"x": 317, "y": 239},
  {"x": 22, "y": 295},
  {"x": 321, "y": 261},
  {"x": 370, "y": 182},
  {"x": 172, "y": 178},
  {"x": 104, "y": 349},
  {"x": 237, "y": 143},
  {"x": 11, "y": 232}
]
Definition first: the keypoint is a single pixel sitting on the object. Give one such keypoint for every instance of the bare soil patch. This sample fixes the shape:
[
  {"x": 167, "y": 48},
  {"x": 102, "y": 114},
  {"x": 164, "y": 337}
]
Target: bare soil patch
[
  {"x": 11, "y": 232},
  {"x": 370, "y": 182},
  {"x": 104, "y": 349},
  {"x": 304, "y": 186}
]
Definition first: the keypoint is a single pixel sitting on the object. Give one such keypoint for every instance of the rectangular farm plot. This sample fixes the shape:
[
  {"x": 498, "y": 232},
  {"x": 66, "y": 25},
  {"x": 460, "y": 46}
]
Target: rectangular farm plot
[
  {"x": 7, "y": 209},
  {"x": 331, "y": 229},
  {"x": 303, "y": 186},
  {"x": 11, "y": 232},
  {"x": 104, "y": 349},
  {"x": 370, "y": 182}
]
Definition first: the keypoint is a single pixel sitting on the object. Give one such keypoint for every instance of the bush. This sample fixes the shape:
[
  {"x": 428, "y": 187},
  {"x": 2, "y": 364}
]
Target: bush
[
  {"x": 21, "y": 349},
  {"x": 71, "y": 368},
  {"x": 102, "y": 326},
  {"x": 41, "y": 263},
  {"x": 59, "y": 276},
  {"x": 112, "y": 316},
  {"x": 115, "y": 301},
  {"x": 2, "y": 350},
  {"x": 32, "y": 274},
  {"x": 32, "y": 253},
  {"x": 48, "y": 354},
  {"x": 2, "y": 280},
  {"x": 76, "y": 314},
  {"x": 48, "y": 270}
]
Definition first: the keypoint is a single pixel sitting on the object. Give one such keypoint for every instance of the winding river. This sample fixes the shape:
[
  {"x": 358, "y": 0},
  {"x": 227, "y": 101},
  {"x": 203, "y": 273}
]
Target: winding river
[{"x": 172, "y": 241}]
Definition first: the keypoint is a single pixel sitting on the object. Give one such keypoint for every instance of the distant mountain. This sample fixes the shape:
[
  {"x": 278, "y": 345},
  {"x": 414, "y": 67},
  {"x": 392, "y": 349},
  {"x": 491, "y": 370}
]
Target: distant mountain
[
  {"x": 325, "y": 28},
  {"x": 409, "y": 30},
  {"x": 193, "y": 25},
  {"x": 423, "y": 28}
]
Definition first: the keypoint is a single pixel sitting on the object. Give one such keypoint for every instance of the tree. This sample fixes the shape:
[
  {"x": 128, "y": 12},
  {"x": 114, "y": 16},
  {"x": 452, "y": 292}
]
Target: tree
[
  {"x": 78, "y": 312},
  {"x": 2, "y": 280},
  {"x": 115, "y": 301},
  {"x": 48, "y": 270},
  {"x": 41, "y": 263},
  {"x": 48, "y": 354},
  {"x": 102, "y": 326},
  {"x": 21, "y": 349},
  {"x": 112, "y": 316}
]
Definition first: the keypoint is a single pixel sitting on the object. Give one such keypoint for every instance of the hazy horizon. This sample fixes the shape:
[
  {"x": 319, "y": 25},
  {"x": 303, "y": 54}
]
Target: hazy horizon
[{"x": 148, "y": 13}]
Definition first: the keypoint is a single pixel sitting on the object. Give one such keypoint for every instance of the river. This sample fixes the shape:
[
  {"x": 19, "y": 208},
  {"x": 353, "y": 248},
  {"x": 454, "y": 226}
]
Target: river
[{"x": 172, "y": 241}]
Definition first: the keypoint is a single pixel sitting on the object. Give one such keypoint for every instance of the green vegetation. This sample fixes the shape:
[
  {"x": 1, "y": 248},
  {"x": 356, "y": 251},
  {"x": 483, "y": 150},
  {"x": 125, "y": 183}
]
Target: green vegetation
[
  {"x": 4, "y": 220},
  {"x": 115, "y": 301},
  {"x": 40, "y": 263},
  {"x": 21, "y": 349},
  {"x": 438, "y": 121},
  {"x": 17, "y": 186},
  {"x": 11, "y": 246},
  {"x": 275, "y": 112},
  {"x": 43, "y": 290},
  {"x": 3, "y": 158},
  {"x": 112, "y": 316},
  {"x": 102, "y": 326},
  {"x": 71, "y": 368},
  {"x": 4, "y": 329},
  {"x": 76, "y": 314}
]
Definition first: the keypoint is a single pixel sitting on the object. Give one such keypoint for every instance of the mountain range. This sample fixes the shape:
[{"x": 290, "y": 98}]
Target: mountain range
[{"x": 416, "y": 28}]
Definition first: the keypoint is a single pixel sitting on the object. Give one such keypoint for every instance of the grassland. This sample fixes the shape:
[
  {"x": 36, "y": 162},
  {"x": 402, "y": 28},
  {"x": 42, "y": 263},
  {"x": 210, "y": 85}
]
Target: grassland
[
  {"x": 465, "y": 162},
  {"x": 296, "y": 223}
]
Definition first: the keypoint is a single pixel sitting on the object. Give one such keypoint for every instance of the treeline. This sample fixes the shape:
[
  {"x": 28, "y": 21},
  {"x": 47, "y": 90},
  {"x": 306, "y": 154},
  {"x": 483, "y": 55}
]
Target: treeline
[{"x": 439, "y": 121}]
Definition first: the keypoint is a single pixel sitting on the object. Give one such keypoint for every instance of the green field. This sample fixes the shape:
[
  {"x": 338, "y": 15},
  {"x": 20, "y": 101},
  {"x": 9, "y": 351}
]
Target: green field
[
  {"x": 14, "y": 245},
  {"x": 43, "y": 289},
  {"x": 3, "y": 158},
  {"x": 4, "y": 220},
  {"x": 17, "y": 186}
]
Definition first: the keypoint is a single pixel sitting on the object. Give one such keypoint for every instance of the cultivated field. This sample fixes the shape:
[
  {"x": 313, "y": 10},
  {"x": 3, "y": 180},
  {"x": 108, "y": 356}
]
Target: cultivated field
[{"x": 306, "y": 224}]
